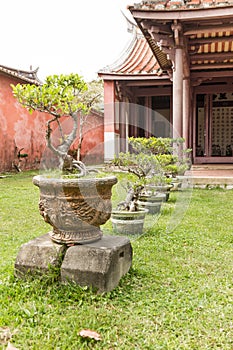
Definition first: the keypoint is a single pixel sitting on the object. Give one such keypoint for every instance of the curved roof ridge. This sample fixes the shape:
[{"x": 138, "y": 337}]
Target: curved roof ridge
[
  {"x": 137, "y": 59},
  {"x": 136, "y": 56},
  {"x": 27, "y": 76},
  {"x": 123, "y": 56}
]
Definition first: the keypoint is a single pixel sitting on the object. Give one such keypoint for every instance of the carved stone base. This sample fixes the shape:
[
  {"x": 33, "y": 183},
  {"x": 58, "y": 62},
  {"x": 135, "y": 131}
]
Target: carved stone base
[{"x": 70, "y": 238}]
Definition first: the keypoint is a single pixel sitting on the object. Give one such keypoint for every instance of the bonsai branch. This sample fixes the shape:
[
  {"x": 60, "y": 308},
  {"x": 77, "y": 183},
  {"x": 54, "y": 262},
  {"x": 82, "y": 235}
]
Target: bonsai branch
[
  {"x": 66, "y": 162},
  {"x": 131, "y": 201}
]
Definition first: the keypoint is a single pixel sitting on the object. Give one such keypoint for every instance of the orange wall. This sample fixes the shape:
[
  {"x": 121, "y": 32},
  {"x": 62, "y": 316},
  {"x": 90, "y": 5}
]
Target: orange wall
[
  {"x": 20, "y": 129},
  {"x": 92, "y": 151}
]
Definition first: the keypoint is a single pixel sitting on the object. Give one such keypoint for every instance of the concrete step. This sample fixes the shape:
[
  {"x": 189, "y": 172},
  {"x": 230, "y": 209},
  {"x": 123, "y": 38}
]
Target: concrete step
[
  {"x": 204, "y": 167},
  {"x": 210, "y": 174}
]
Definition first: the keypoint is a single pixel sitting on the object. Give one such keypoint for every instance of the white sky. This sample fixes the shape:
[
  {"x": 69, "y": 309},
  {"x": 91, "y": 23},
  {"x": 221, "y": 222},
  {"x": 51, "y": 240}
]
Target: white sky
[{"x": 79, "y": 36}]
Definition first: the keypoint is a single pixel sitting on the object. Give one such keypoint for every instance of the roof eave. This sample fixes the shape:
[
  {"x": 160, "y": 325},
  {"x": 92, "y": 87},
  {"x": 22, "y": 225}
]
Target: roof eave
[
  {"x": 141, "y": 76},
  {"x": 185, "y": 14}
]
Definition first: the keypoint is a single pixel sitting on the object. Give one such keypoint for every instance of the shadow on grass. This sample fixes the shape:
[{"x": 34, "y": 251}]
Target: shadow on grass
[{"x": 50, "y": 287}]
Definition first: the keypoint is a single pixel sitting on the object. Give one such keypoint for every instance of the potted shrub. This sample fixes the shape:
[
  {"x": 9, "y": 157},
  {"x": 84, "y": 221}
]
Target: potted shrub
[
  {"x": 74, "y": 202},
  {"x": 158, "y": 153},
  {"x": 171, "y": 159},
  {"x": 129, "y": 217}
]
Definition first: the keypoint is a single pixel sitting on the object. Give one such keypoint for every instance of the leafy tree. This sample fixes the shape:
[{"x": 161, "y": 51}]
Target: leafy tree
[
  {"x": 96, "y": 89},
  {"x": 61, "y": 96}
]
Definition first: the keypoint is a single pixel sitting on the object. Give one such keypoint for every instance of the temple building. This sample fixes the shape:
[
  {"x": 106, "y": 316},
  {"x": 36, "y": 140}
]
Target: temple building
[{"x": 175, "y": 79}]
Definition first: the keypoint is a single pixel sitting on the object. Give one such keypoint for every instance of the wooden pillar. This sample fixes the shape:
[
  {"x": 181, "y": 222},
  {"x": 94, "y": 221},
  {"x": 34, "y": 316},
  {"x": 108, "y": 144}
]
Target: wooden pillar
[
  {"x": 148, "y": 126},
  {"x": 109, "y": 121},
  {"x": 178, "y": 93},
  {"x": 186, "y": 111},
  {"x": 126, "y": 127}
]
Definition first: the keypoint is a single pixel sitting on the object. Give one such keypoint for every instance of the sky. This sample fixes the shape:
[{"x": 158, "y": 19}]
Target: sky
[{"x": 62, "y": 37}]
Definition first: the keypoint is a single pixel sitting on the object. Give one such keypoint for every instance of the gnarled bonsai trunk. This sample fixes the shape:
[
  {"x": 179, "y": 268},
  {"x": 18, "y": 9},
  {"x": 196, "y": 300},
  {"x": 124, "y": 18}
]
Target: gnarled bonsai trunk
[{"x": 66, "y": 162}]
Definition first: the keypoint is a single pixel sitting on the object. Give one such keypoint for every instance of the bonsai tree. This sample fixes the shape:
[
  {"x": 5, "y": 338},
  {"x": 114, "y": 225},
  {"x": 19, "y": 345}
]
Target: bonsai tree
[
  {"x": 75, "y": 208},
  {"x": 61, "y": 96},
  {"x": 142, "y": 166},
  {"x": 139, "y": 166},
  {"x": 172, "y": 158},
  {"x": 154, "y": 163},
  {"x": 148, "y": 159}
]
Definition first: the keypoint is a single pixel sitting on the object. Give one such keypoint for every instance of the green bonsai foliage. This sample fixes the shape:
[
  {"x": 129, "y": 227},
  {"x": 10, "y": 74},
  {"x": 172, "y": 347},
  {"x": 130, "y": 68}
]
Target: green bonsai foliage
[
  {"x": 153, "y": 161},
  {"x": 151, "y": 145},
  {"x": 172, "y": 158},
  {"x": 146, "y": 168},
  {"x": 140, "y": 166},
  {"x": 61, "y": 96}
]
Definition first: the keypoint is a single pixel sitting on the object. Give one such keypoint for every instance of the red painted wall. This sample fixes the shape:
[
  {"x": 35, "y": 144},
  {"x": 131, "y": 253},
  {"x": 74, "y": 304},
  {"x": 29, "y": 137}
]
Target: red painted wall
[
  {"x": 92, "y": 151},
  {"x": 20, "y": 129}
]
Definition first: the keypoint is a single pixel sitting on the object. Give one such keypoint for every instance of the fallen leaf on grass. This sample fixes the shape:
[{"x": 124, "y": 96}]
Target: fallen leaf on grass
[
  {"x": 5, "y": 334},
  {"x": 87, "y": 333},
  {"x": 11, "y": 347}
]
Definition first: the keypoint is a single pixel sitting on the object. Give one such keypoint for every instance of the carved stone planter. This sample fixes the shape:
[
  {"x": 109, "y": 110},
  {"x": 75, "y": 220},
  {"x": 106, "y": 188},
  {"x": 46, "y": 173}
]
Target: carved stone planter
[{"x": 75, "y": 208}]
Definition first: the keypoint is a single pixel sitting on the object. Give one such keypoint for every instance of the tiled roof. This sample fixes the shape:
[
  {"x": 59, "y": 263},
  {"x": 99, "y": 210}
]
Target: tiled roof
[
  {"x": 181, "y": 4},
  {"x": 137, "y": 59},
  {"x": 26, "y": 76},
  {"x": 206, "y": 27},
  {"x": 205, "y": 30}
]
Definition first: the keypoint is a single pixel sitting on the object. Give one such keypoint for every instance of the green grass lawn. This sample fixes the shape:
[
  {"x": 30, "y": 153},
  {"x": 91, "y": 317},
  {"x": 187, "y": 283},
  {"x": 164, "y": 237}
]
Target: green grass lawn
[{"x": 178, "y": 294}]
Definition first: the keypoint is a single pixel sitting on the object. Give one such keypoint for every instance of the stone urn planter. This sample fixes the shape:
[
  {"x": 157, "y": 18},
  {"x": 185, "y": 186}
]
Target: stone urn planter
[
  {"x": 128, "y": 222},
  {"x": 75, "y": 207},
  {"x": 151, "y": 202}
]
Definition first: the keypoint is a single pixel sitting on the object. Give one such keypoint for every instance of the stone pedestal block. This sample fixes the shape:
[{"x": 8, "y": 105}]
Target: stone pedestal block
[
  {"x": 99, "y": 264},
  {"x": 38, "y": 255}
]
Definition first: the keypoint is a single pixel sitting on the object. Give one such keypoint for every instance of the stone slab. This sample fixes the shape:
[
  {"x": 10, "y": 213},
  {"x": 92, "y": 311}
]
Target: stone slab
[
  {"x": 99, "y": 265},
  {"x": 37, "y": 256}
]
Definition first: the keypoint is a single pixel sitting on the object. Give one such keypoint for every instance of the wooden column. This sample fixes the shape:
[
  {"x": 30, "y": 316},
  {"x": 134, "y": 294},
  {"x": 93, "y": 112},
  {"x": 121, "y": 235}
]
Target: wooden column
[
  {"x": 186, "y": 110},
  {"x": 124, "y": 126},
  {"x": 178, "y": 93},
  {"x": 109, "y": 121},
  {"x": 148, "y": 116}
]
